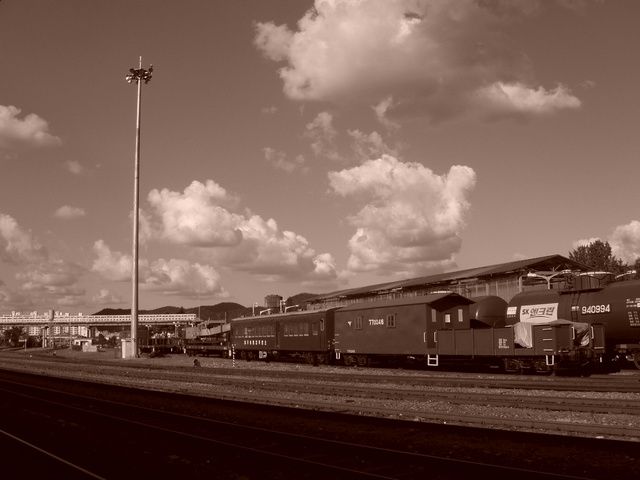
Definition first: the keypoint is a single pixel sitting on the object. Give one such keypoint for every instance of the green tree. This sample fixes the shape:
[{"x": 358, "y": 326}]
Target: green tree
[
  {"x": 597, "y": 255},
  {"x": 12, "y": 336},
  {"x": 636, "y": 267}
]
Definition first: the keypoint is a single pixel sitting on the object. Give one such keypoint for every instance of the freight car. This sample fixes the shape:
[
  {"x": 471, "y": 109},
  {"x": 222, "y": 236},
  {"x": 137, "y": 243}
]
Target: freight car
[
  {"x": 206, "y": 339},
  {"x": 447, "y": 328},
  {"x": 590, "y": 298},
  {"x": 391, "y": 331}
]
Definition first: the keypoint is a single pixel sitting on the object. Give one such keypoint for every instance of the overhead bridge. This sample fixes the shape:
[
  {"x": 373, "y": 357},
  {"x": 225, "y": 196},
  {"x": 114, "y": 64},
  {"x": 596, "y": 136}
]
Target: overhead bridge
[{"x": 97, "y": 320}]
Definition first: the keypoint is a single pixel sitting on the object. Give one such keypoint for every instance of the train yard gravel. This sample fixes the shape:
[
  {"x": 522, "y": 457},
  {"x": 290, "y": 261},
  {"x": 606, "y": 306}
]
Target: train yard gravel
[{"x": 305, "y": 386}]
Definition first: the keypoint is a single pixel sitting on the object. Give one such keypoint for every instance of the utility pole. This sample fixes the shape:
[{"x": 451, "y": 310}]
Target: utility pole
[{"x": 136, "y": 75}]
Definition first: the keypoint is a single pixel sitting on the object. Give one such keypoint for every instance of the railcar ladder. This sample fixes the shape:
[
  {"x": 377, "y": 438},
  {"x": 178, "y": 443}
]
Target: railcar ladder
[{"x": 432, "y": 360}]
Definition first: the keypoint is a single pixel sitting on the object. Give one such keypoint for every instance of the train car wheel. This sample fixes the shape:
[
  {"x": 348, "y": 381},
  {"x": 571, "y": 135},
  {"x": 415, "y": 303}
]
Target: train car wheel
[
  {"x": 636, "y": 360},
  {"x": 541, "y": 368},
  {"x": 511, "y": 365}
]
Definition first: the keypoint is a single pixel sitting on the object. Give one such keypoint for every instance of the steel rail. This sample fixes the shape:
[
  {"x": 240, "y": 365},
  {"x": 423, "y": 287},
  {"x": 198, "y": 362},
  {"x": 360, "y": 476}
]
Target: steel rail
[
  {"x": 51, "y": 455},
  {"x": 453, "y": 380}
]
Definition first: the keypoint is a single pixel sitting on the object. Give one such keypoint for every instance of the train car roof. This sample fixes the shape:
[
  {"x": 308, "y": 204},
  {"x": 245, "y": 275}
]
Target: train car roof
[{"x": 430, "y": 299}]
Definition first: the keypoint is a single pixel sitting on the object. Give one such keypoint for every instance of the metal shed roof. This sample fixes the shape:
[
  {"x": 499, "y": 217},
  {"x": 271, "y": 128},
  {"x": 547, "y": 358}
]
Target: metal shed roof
[
  {"x": 422, "y": 299},
  {"x": 548, "y": 262}
]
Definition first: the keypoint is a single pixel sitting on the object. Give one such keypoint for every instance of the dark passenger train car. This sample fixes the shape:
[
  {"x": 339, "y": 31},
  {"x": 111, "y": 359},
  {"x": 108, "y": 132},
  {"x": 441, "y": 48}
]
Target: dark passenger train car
[
  {"x": 396, "y": 329},
  {"x": 304, "y": 335}
]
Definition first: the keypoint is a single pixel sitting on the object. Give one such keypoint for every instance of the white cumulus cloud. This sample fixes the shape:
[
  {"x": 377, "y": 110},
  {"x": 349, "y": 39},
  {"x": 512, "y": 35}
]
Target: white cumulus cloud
[
  {"x": 74, "y": 167},
  {"x": 12, "y": 299},
  {"x": 106, "y": 297},
  {"x": 282, "y": 255},
  {"x": 67, "y": 212},
  {"x": 167, "y": 277},
  {"x": 514, "y": 98},
  {"x": 53, "y": 281},
  {"x": 412, "y": 218},
  {"x": 322, "y": 134},
  {"x": 370, "y": 146},
  {"x": 197, "y": 217},
  {"x": 202, "y": 216},
  {"x": 428, "y": 58},
  {"x": 114, "y": 266},
  {"x": 625, "y": 242},
  {"x": 31, "y": 130},
  {"x": 179, "y": 277},
  {"x": 281, "y": 161},
  {"x": 44, "y": 278},
  {"x": 18, "y": 245},
  {"x": 584, "y": 242}
]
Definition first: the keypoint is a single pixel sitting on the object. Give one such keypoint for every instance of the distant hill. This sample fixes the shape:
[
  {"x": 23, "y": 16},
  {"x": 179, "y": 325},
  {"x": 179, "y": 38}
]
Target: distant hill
[
  {"x": 301, "y": 299},
  {"x": 207, "y": 312},
  {"x": 219, "y": 311}
]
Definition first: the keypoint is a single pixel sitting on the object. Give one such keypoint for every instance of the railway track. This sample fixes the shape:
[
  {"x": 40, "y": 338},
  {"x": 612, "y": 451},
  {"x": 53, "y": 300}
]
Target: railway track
[
  {"x": 425, "y": 378},
  {"x": 602, "y": 417},
  {"x": 203, "y": 445},
  {"x": 622, "y": 385},
  {"x": 394, "y": 392}
]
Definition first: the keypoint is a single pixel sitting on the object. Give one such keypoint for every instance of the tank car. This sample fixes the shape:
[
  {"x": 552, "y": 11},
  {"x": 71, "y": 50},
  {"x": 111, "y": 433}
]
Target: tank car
[
  {"x": 591, "y": 298},
  {"x": 488, "y": 311}
]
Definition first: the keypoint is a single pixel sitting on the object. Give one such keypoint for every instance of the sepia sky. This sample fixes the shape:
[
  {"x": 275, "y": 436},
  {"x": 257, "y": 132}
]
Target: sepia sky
[{"x": 290, "y": 146}]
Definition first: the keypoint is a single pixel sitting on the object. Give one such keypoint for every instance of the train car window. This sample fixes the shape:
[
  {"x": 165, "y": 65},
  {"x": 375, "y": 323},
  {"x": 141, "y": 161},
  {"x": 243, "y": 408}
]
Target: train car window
[
  {"x": 391, "y": 321},
  {"x": 460, "y": 316},
  {"x": 447, "y": 318},
  {"x": 314, "y": 329},
  {"x": 434, "y": 315},
  {"x": 358, "y": 323}
]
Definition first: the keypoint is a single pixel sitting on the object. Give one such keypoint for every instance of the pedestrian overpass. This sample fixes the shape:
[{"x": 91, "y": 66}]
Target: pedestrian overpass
[{"x": 49, "y": 319}]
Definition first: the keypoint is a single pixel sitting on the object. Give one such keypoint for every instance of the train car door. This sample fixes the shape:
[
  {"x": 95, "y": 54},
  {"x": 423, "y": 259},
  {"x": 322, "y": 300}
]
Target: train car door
[
  {"x": 322, "y": 334},
  {"x": 431, "y": 325}
]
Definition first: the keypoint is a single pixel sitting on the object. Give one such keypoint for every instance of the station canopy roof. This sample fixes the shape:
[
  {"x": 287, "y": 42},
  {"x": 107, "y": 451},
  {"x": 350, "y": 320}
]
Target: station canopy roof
[{"x": 538, "y": 264}]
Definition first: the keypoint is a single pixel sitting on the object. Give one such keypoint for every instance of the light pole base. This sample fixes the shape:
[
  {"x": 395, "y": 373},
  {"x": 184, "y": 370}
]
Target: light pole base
[{"x": 128, "y": 348}]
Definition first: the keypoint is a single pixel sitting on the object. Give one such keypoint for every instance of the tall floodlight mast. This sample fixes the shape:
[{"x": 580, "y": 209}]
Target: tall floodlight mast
[{"x": 138, "y": 76}]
